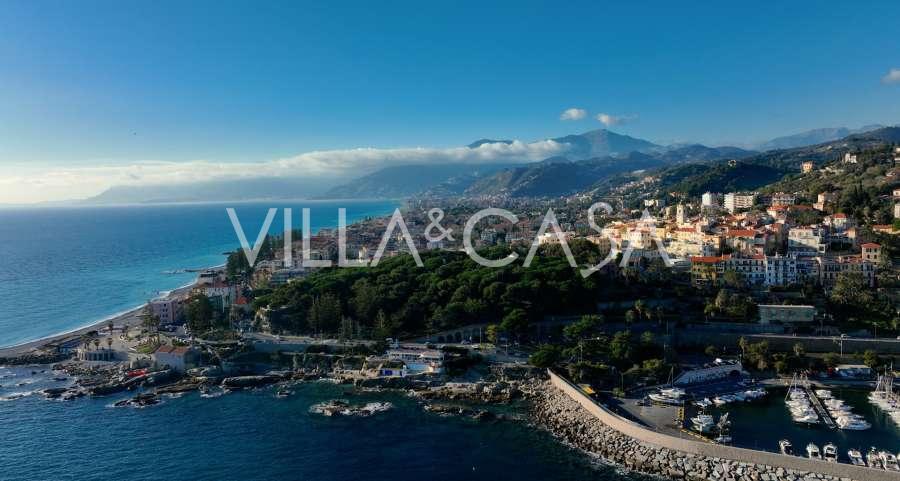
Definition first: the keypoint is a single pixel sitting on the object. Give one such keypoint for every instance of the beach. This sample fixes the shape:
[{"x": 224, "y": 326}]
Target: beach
[{"x": 128, "y": 318}]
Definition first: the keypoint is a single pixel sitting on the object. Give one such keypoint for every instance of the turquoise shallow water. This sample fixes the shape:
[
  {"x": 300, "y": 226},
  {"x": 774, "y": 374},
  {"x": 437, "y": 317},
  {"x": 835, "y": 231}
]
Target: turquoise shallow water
[
  {"x": 63, "y": 268},
  {"x": 254, "y": 436}
]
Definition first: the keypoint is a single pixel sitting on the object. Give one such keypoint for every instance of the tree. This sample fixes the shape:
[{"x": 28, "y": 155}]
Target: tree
[
  {"x": 516, "y": 322},
  {"x": 799, "y": 350},
  {"x": 547, "y": 355},
  {"x": 629, "y": 316},
  {"x": 199, "y": 313},
  {"x": 325, "y": 314},
  {"x": 149, "y": 321},
  {"x": 711, "y": 351},
  {"x": 870, "y": 358},
  {"x": 585, "y": 327},
  {"x": 640, "y": 307},
  {"x": 492, "y": 332},
  {"x": 831, "y": 359}
]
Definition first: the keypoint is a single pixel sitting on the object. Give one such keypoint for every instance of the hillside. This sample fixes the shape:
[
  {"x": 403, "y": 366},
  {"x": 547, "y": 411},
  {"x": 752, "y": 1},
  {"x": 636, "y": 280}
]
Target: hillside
[
  {"x": 407, "y": 180},
  {"x": 555, "y": 177},
  {"x": 813, "y": 137}
]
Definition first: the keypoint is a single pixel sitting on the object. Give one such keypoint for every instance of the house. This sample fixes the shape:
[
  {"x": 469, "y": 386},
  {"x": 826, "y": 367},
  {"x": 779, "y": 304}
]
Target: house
[
  {"x": 850, "y": 158},
  {"x": 806, "y": 167},
  {"x": 710, "y": 199},
  {"x": 839, "y": 221},
  {"x": 773, "y": 313},
  {"x": 177, "y": 358},
  {"x": 871, "y": 252}
]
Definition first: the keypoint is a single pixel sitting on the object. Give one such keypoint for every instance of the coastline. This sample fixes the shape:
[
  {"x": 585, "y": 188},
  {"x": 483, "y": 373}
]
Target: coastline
[{"x": 129, "y": 318}]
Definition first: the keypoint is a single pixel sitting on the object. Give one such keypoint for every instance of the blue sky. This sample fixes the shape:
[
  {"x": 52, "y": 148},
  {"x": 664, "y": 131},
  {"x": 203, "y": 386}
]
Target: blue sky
[{"x": 87, "y": 84}]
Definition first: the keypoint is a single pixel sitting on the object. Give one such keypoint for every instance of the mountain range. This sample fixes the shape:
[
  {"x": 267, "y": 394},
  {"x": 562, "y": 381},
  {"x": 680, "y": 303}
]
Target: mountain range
[{"x": 588, "y": 158}]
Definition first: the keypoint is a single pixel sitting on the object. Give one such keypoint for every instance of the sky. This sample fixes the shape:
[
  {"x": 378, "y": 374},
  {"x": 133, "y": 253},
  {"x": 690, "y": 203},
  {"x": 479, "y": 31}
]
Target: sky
[{"x": 94, "y": 94}]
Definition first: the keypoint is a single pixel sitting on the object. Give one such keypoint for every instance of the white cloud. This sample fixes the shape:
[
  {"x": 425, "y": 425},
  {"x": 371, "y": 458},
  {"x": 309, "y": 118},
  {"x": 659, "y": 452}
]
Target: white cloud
[
  {"x": 892, "y": 77},
  {"x": 62, "y": 183},
  {"x": 573, "y": 114},
  {"x": 610, "y": 120}
]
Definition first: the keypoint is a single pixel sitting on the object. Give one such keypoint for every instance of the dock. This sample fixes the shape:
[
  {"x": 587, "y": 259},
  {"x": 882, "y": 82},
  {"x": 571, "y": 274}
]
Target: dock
[{"x": 820, "y": 409}]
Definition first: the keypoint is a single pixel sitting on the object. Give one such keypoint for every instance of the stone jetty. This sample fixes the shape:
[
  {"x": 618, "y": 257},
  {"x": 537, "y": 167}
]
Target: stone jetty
[{"x": 570, "y": 421}]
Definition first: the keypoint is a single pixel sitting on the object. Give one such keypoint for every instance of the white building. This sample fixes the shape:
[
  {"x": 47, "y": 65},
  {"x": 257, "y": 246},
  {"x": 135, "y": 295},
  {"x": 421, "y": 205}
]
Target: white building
[
  {"x": 781, "y": 271},
  {"x": 719, "y": 369},
  {"x": 735, "y": 202},
  {"x": 168, "y": 310},
  {"x": 428, "y": 361},
  {"x": 806, "y": 240},
  {"x": 178, "y": 359},
  {"x": 710, "y": 199},
  {"x": 680, "y": 215}
]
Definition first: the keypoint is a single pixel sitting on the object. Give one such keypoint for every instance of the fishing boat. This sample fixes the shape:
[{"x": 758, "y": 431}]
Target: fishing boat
[
  {"x": 829, "y": 452},
  {"x": 889, "y": 461},
  {"x": 785, "y": 447},
  {"x": 812, "y": 451},
  {"x": 703, "y": 423},
  {"x": 856, "y": 457},
  {"x": 671, "y": 396}
]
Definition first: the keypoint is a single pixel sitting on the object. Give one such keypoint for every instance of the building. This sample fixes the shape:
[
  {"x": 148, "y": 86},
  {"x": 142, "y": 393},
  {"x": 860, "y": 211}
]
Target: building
[
  {"x": 778, "y": 314},
  {"x": 897, "y": 211},
  {"x": 782, "y": 198},
  {"x": 806, "y": 241},
  {"x": 719, "y": 369},
  {"x": 281, "y": 277},
  {"x": 896, "y": 193},
  {"x": 707, "y": 270},
  {"x": 735, "y": 202},
  {"x": 418, "y": 361},
  {"x": 806, "y": 167},
  {"x": 871, "y": 252},
  {"x": 830, "y": 268},
  {"x": 850, "y": 158},
  {"x": 751, "y": 268},
  {"x": 168, "y": 310},
  {"x": 824, "y": 199},
  {"x": 177, "y": 358},
  {"x": 839, "y": 221},
  {"x": 710, "y": 199},
  {"x": 680, "y": 215},
  {"x": 781, "y": 271}
]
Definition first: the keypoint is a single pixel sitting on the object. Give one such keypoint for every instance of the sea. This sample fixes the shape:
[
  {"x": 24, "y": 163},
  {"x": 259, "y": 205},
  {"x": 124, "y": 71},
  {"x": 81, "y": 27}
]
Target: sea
[{"x": 64, "y": 268}]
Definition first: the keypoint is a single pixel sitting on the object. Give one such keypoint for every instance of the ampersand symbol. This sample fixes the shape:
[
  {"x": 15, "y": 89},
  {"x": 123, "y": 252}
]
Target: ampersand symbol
[{"x": 436, "y": 215}]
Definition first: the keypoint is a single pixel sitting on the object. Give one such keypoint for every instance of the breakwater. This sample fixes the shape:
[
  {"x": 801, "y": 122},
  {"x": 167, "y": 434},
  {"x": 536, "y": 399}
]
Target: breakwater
[{"x": 567, "y": 412}]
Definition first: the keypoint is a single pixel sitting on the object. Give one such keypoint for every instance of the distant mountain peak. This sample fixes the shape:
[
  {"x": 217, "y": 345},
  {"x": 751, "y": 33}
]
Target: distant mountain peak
[{"x": 480, "y": 142}]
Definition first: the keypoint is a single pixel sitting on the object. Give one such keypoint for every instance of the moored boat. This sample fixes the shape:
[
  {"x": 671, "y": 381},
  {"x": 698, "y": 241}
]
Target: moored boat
[
  {"x": 785, "y": 447},
  {"x": 829, "y": 452},
  {"x": 888, "y": 461},
  {"x": 856, "y": 457},
  {"x": 812, "y": 451}
]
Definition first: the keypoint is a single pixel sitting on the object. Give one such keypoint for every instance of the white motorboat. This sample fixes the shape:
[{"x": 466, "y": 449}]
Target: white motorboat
[
  {"x": 812, "y": 451},
  {"x": 872, "y": 459},
  {"x": 823, "y": 393},
  {"x": 852, "y": 423},
  {"x": 703, "y": 403},
  {"x": 829, "y": 452},
  {"x": 856, "y": 458},
  {"x": 703, "y": 423},
  {"x": 672, "y": 396},
  {"x": 785, "y": 447},
  {"x": 889, "y": 461}
]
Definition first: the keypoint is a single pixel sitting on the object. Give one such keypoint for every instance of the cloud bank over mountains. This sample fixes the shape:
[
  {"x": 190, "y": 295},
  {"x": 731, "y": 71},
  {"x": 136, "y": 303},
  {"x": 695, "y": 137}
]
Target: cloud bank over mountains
[{"x": 64, "y": 183}]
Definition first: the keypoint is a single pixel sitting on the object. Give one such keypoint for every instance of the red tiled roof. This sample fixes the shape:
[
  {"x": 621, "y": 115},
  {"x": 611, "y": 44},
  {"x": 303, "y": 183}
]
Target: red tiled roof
[
  {"x": 741, "y": 233},
  {"x": 871, "y": 245}
]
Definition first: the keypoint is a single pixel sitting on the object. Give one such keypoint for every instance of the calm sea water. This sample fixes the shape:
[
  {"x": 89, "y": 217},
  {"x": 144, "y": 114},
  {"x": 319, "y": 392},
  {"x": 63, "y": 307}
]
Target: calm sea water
[
  {"x": 253, "y": 436},
  {"x": 760, "y": 426},
  {"x": 65, "y": 268}
]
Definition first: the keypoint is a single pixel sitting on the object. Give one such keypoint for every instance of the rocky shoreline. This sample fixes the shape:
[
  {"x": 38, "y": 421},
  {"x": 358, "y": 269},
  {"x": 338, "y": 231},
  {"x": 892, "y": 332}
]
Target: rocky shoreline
[{"x": 568, "y": 421}]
